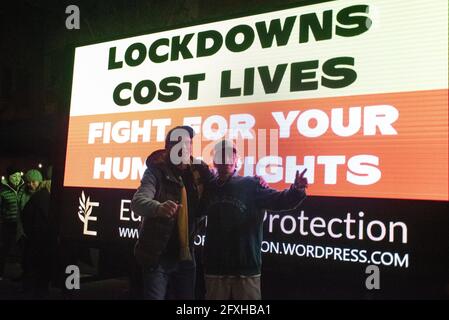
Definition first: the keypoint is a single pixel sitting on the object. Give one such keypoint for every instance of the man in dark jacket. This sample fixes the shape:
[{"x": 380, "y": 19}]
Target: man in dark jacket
[
  {"x": 11, "y": 192},
  {"x": 33, "y": 178},
  {"x": 40, "y": 241},
  {"x": 234, "y": 206},
  {"x": 168, "y": 200}
]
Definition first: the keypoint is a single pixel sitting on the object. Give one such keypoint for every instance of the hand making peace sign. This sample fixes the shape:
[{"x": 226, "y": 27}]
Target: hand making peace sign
[{"x": 300, "y": 182}]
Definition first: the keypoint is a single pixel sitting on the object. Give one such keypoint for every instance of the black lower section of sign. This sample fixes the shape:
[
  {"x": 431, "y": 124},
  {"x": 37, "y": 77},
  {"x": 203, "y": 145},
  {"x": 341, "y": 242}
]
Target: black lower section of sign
[{"x": 319, "y": 251}]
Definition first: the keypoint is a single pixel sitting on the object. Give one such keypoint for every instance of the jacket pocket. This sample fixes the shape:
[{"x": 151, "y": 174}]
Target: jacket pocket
[{"x": 154, "y": 235}]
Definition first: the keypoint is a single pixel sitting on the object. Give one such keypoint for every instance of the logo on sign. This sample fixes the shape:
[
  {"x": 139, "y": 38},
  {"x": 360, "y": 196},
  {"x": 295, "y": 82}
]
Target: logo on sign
[{"x": 85, "y": 213}]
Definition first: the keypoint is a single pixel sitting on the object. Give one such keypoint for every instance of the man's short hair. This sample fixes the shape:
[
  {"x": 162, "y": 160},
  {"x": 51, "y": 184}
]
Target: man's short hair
[
  {"x": 177, "y": 131},
  {"x": 225, "y": 145}
]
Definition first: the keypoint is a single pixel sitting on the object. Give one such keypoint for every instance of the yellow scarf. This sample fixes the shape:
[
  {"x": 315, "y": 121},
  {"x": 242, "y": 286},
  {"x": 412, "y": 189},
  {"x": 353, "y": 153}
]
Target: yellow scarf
[{"x": 183, "y": 227}]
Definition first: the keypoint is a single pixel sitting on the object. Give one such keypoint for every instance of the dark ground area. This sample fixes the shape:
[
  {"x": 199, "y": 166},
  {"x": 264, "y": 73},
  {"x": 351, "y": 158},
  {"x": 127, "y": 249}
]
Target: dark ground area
[{"x": 110, "y": 289}]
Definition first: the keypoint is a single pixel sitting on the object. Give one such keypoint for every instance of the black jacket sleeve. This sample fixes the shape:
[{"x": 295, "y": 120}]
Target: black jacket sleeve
[
  {"x": 207, "y": 176},
  {"x": 271, "y": 199}
]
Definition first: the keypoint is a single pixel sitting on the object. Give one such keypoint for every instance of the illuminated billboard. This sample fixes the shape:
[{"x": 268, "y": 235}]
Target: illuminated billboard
[
  {"x": 354, "y": 91},
  {"x": 345, "y": 89}
]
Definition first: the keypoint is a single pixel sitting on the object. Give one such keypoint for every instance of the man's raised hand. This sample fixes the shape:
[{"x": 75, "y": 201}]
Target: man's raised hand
[
  {"x": 300, "y": 181},
  {"x": 262, "y": 182},
  {"x": 167, "y": 209}
]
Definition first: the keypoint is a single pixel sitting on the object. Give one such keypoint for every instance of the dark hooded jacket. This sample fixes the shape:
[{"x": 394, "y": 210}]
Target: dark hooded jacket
[
  {"x": 38, "y": 225},
  {"x": 158, "y": 236},
  {"x": 235, "y": 213}
]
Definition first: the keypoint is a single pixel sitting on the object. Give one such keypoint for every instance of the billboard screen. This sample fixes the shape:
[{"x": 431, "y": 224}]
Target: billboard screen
[{"x": 356, "y": 92}]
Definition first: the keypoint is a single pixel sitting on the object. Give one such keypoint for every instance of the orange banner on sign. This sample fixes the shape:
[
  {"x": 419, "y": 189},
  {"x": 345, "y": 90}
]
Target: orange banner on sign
[{"x": 392, "y": 145}]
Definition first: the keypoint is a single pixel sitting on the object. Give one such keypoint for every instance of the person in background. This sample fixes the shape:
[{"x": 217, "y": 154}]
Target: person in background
[
  {"x": 235, "y": 206},
  {"x": 40, "y": 241},
  {"x": 33, "y": 179},
  {"x": 11, "y": 191}
]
